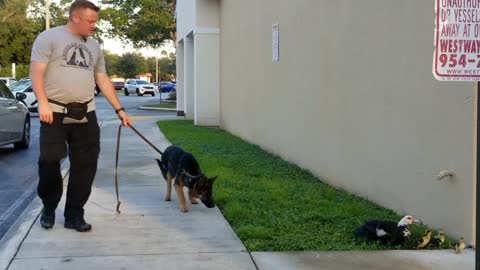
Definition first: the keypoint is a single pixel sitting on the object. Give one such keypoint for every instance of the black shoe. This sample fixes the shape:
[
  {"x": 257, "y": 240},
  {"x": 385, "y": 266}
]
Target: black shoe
[
  {"x": 47, "y": 220},
  {"x": 77, "y": 224}
]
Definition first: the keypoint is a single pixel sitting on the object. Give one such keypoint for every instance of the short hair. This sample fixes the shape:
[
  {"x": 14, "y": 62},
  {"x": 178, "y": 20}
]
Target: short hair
[{"x": 82, "y": 4}]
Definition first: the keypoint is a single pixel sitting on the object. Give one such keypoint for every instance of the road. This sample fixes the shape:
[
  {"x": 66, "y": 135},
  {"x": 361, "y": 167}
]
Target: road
[{"x": 18, "y": 169}]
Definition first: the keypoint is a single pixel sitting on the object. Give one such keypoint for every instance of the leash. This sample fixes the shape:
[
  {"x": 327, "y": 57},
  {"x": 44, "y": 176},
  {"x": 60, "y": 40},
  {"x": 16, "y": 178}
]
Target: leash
[
  {"x": 116, "y": 168},
  {"x": 117, "y": 157},
  {"x": 145, "y": 139}
]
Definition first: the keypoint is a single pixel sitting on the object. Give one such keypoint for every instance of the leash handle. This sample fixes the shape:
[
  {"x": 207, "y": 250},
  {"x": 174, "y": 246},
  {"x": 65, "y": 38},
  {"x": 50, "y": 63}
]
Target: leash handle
[
  {"x": 146, "y": 140},
  {"x": 116, "y": 168}
]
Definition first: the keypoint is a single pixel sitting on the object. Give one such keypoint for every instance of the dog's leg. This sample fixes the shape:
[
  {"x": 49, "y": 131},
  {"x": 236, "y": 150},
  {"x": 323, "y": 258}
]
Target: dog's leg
[
  {"x": 162, "y": 168},
  {"x": 168, "y": 197},
  {"x": 181, "y": 198},
  {"x": 192, "y": 198}
]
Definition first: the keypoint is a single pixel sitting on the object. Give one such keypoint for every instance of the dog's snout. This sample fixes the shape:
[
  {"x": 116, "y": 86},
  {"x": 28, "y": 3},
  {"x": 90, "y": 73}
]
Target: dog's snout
[{"x": 209, "y": 203}]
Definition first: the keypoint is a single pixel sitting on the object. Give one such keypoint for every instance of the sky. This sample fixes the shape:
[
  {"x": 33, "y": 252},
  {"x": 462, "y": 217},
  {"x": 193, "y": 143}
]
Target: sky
[{"x": 117, "y": 47}]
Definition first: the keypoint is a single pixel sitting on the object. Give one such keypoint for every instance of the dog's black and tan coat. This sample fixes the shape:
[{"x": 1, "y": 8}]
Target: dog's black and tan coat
[{"x": 181, "y": 168}]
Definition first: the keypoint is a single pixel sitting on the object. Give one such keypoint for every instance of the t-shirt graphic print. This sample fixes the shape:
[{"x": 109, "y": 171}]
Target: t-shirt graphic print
[{"x": 77, "y": 56}]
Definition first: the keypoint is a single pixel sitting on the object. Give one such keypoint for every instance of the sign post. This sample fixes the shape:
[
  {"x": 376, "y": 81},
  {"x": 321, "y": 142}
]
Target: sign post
[
  {"x": 457, "y": 58},
  {"x": 477, "y": 204}
]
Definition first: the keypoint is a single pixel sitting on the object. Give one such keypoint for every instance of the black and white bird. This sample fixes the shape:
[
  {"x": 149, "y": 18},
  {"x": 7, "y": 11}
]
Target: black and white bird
[{"x": 386, "y": 231}]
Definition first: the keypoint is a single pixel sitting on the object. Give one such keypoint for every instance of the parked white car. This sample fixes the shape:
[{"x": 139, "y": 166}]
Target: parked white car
[
  {"x": 14, "y": 119},
  {"x": 139, "y": 87},
  {"x": 25, "y": 86},
  {"x": 8, "y": 80}
]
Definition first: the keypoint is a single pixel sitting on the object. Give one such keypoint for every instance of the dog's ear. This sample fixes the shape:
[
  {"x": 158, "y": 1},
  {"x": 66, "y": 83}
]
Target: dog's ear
[{"x": 213, "y": 179}]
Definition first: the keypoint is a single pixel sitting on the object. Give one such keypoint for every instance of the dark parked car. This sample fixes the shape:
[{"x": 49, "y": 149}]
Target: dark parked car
[
  {"x": 168, "y": 87},
  {"x": 14, "y": 119},
  {"x": 118, "y": 85}
]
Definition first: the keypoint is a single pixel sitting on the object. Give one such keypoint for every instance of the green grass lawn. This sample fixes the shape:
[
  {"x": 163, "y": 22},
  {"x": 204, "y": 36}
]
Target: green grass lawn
[
  {"x": 273, "y": 205},
  {"x": 163, "y": 105}
]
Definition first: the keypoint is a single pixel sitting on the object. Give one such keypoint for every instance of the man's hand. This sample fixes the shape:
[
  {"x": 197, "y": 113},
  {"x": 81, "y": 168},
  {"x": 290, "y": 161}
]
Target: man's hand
[
  {"x": 126, "y": 121},
  {"x": 106, "y": 86},
  {"x": 46, "y": 113},
  {"x": 37, "y": 71}
]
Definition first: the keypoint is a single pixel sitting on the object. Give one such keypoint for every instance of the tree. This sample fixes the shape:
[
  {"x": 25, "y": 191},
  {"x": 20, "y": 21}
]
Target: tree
[
  {"x": 58, "y": 12},
  {"x": 144, "y": 23},
  {"x": 22, "y": 71},
  {"x": 17, "y": 31},
  {"x": 111, "y": 62},
  {"x": 152, "y": 65},
  {"x": 166, "y": 65},
  {"x": 131, "y": 64},
  {"x": 22, "y": 21}
]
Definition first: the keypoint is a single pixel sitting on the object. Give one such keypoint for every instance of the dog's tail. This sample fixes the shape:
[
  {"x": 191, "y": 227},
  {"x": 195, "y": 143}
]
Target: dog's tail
[{"x": 162, "y": 168}]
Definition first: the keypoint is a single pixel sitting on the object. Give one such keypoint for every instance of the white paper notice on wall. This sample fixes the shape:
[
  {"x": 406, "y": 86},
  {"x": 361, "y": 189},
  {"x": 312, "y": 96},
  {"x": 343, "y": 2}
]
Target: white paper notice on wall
[{"x": 275, "y": 43}]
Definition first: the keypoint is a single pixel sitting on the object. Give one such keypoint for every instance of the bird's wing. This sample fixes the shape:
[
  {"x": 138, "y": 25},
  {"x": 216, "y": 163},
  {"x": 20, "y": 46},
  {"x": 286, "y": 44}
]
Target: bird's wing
[
  {"x": 381, "y": 233},
  {"x": 388, "y": 226},
  {"x": 368, "y": 229}
]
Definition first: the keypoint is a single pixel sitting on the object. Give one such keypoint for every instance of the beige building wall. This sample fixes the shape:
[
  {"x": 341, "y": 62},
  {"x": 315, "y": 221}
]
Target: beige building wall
[
  {"x": 187, "y": 17},
  {"x": 198, "y": 41},
  {"x": 353, "y": 100},
  {"x": 180, "y": 51},
  {"x": 207, "y": 13},
  {"x": 189, "y": 76},
  {"x": 207, "y": 82},
  {"x": 207, "y": 63}
]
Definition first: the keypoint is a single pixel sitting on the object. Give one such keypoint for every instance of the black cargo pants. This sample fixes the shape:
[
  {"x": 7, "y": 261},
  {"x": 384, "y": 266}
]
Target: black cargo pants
[{"x": 83, "y": 141}]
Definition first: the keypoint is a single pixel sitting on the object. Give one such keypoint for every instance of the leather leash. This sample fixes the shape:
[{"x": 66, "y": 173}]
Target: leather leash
[
  {"x": 116, "y": 168},
  {"x": 147, "y": 141},
  {"x": 118, "y": 155}
]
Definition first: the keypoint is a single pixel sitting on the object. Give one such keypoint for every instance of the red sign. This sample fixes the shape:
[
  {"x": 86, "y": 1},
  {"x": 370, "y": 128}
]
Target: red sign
[{"x": 457, "y": 40}]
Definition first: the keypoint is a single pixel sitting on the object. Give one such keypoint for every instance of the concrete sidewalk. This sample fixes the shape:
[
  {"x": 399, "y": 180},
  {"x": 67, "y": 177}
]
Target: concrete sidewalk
[
  {"x": 149, "y": 233},
  {"x": 153, "y": 234}
]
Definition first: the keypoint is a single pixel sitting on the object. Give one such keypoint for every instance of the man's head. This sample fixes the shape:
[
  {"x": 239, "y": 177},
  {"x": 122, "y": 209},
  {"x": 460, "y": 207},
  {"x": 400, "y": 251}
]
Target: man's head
[{"x": 83, "y": 17}]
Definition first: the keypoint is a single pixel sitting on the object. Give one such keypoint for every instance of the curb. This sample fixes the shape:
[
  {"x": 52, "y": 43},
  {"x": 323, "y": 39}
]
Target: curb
[
  {"x": 14, "y": 237},
  {"x": 156, "y": 109}
]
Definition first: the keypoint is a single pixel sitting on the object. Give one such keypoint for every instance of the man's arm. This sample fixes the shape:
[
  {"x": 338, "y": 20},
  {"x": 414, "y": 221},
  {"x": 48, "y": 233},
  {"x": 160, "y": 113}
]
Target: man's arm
[
  {"x": 37, "y": 72},
  {"x": 106, "y": 86}
]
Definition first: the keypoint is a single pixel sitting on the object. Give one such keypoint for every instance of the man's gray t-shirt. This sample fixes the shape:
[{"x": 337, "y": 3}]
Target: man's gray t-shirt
[{"x": 71, "y": 66}]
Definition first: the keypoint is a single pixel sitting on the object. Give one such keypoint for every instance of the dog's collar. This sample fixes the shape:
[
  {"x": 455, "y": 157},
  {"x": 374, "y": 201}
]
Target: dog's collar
[{"x": 190, "y": 177}]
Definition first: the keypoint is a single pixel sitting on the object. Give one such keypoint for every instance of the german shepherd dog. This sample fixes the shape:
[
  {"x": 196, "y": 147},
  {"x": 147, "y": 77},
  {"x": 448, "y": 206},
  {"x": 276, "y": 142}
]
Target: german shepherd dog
[{"x": 181, "y": 168}]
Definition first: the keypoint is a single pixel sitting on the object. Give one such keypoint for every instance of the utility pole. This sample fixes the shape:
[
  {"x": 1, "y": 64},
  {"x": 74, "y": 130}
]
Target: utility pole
[
  {"x": 158, "y": 82},
  {"x": 156, "y": 77},
  {"x": 47, "y": 15}
]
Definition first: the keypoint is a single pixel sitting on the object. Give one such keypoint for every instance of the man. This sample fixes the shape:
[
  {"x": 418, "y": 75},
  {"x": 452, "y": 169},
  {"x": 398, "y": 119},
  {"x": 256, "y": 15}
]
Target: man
[{"x": 65, "y": 65}]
